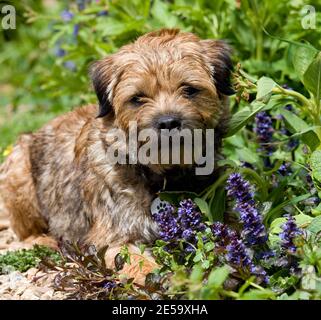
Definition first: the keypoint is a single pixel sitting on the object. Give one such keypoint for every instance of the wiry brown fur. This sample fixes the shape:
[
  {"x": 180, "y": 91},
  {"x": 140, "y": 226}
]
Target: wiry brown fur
[{"x": 57, "y": 180}]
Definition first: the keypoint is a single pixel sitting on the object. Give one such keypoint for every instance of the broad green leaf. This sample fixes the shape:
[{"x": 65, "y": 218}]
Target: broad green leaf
[
  {"x": 209, "y": 246},
  {"x": 197, "y": 274},
  {"x": 217, "y": 205},
  {"x": 315, "y": 225},
  {"x": 218, "y": 276},
  {"x": 297, "y": 125},
  {"x": 161, "y": 12},
  {"x": 256, "y": 294},
  {"x": 302, "y": 57},
  {"x": 308, "y": 281},
  {"x": 315, "y": 164},
  {"x": 241, "y": 118},
  {"x": 312, "y": 77},
  {"x": 293, "y": 121},
  {"x": 316, "y": 211},
  {"x": 203, "y": 206},
  {"x": 264, "y": 88},
  {"x": 247, "y": 156}
]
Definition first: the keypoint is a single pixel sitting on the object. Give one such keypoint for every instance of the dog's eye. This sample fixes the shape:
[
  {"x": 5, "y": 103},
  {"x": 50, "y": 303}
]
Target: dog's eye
[
  {"x": 136, "y": 101},
  {"x": 191, "y": 92}
]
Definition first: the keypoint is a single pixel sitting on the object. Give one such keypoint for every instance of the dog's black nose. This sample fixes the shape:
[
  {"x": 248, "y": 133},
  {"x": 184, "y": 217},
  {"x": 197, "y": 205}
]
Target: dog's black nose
[{"x": 168, "y": 122}]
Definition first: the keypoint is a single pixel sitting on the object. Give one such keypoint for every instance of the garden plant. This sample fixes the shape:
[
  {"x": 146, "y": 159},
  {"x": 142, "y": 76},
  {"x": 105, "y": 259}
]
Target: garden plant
[{"x": 253, "y": 234}]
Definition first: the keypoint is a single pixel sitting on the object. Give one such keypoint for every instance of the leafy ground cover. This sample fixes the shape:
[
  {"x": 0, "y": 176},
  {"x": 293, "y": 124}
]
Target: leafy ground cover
[{"x": 253, "y": 234}]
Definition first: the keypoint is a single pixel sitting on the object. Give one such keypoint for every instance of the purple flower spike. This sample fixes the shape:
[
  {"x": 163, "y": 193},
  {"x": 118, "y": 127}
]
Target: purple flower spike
[
  {"x": 109, "y": 285},
  {"x": 235, "y": 250},
  {"x": 168, "y": 225},
  {"x": 290, "y": 232},
  {"x": 253, "y": 229},
  {"x": 66, "y": 15},
  {"x": 264, "y": 131}
]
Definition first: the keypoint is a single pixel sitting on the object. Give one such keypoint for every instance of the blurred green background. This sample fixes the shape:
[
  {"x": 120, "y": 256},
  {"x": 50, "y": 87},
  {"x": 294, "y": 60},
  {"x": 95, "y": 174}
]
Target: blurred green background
[{"x": 44, "y": 61}]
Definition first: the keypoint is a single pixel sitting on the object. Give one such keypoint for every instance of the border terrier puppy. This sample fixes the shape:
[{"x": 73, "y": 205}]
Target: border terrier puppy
[{"x": 58, "y": 181}]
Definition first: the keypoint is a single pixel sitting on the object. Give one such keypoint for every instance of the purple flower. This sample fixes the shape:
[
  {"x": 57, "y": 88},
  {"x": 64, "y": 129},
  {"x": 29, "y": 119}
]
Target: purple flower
[
  {"x": 222, "y": 233},
  {"x": 60, "y": 52},
  {"x": 109, "y": 285},
  {"x": 70, "y": 65},
  {"x": 189, "y": 216},
  {"x": 181, "y": 224},
  {"x": 235, "y": 250},
  {"x": 264, "y": 131},
  {"x": 253, "y": 229},
  {"x": 285, "y": 169},
  {"x": 76, "y": 30},
  {"x": 66, "y": 15},
  {"x": 289, "y": 107},
  {"x": 167, "y": 222},
  {"x": 189, "y": 249},
  {"x": 290, "y": 232},
  {"x": 236, "y": 253},
  {"x": 81, "y": 4},
  {"x": 187, "y": 234},
  {"x": 102, "y": 13},
  {"x": 265, "y": 255}
]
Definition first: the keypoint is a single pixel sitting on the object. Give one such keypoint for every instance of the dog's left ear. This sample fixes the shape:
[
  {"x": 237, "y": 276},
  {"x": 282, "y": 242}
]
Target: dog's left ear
[
  {"x": 101, "y": 73},
  {"x": 218, "y": 54}
]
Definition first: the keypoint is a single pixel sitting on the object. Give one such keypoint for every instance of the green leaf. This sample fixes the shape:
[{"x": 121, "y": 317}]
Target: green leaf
[
  {"x": 264, "y": 88},
  {"x": 174, "y": 197},
  {"x": 299, "y": 126},
  {"x": 302, "y": 220},
  {"x": 197, "y": 274},
  {"x": 317, "y": 210},
  {"x": 247, "y": 155},
  {"x": 256, "y": 294},
  {"x": 209, "y": 246},
  {"x": 315, "y": 164},
  {"x": 203, "y": 206},
  {"x": 276, "y": 211},
  {"x": 217, "y": 204},
  {"x": 308, "y": 280},
  {"x": 302, "y": 56},
  {"x": 198, "y": 257},
  {"x": 312, "y": 77},
  {"x": 241, "y": 118},
  {"x": 218, "y": 276},
  {"x": 161, "y": 12},
  {"x": 315, "y": 225}
]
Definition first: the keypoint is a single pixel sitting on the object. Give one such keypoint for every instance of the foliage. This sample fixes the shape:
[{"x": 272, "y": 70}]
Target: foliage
[
  {"x": 273, "y": 145},
  {"x": 24, "y": 259}
]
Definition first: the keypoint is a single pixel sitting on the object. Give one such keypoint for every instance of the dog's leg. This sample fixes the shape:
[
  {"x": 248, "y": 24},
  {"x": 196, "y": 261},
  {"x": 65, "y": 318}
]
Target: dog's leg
[
  {"x": 140, "y": 264},
  {"x": 42, "y": 240},
  {"x": 18, "y": 192}
]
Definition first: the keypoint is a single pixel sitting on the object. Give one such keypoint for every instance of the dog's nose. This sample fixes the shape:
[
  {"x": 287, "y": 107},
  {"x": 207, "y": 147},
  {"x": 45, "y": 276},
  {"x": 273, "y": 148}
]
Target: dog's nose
[{"x": 169, "y": 122}]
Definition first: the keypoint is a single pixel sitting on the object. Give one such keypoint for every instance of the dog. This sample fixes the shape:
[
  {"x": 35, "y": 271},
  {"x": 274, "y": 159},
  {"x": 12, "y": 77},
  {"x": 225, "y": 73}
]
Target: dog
[{"x": 58, "y": 181}]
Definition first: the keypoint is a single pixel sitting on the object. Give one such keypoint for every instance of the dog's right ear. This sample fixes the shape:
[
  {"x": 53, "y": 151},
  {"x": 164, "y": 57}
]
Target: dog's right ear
[{"x": 101, "y": 75}]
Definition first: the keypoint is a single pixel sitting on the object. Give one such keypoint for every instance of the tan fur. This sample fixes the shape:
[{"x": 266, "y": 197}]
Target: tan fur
[{"x": 57, "y": 181}]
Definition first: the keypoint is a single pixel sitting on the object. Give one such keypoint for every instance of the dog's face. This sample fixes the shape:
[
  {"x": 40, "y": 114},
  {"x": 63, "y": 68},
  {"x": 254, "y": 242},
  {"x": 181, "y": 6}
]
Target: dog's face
[{"x": 165, "y": 80}]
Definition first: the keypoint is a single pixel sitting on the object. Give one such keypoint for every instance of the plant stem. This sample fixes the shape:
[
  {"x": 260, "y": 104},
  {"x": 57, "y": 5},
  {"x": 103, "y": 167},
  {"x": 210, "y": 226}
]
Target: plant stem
[{"x": 306, "y": 102}]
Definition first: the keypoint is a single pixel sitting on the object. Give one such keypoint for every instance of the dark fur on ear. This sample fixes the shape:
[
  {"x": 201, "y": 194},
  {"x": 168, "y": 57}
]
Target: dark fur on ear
[
  {"x": 100, "y": 73},
  {"x": 219, "y": 56}
]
